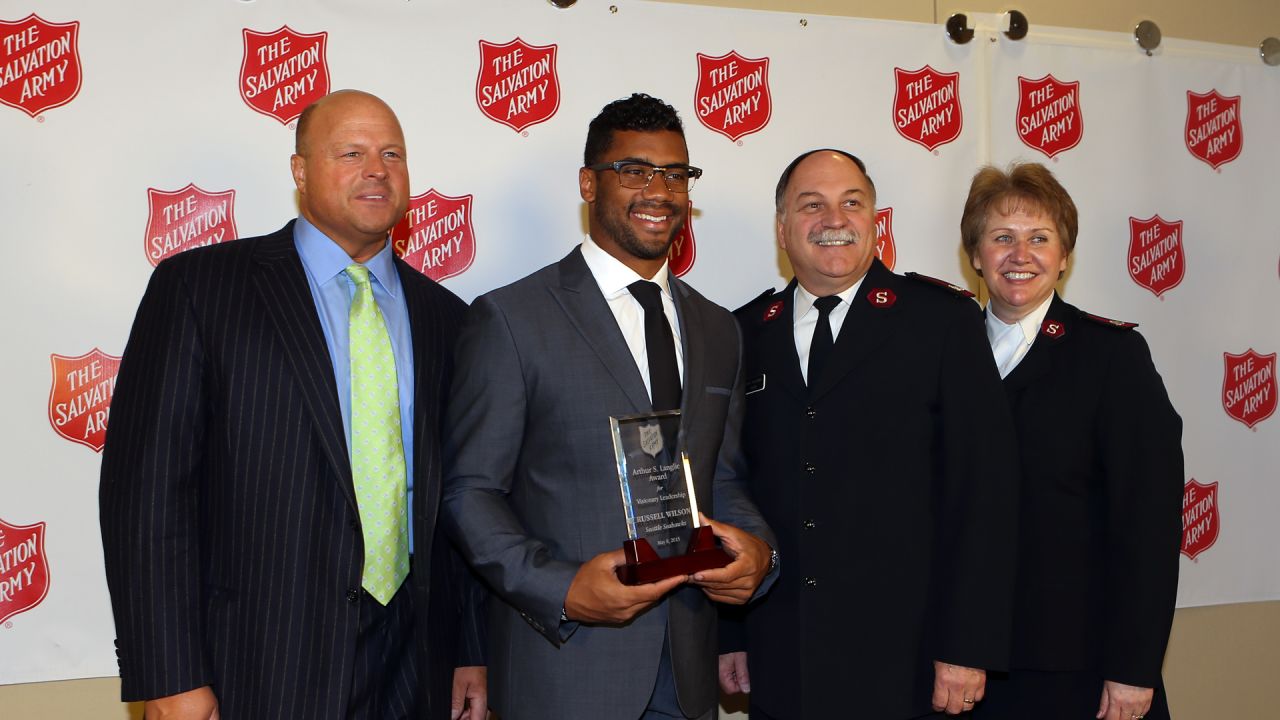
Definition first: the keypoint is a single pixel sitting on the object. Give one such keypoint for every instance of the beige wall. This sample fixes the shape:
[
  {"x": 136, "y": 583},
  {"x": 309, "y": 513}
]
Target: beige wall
[{"x": 1222, "y": 660}]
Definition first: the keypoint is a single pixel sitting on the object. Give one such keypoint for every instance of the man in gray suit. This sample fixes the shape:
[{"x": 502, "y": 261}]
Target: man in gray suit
[{"x": 531, "y": 488}]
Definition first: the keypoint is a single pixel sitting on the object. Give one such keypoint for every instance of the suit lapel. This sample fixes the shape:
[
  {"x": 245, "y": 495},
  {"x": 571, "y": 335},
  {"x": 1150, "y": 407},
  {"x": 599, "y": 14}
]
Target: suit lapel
[
  {"x": 865, "y": 328},
  {"x": 580, "y": 298},
  {"x": 281, "y": 282},
  {"x": 425, "y": 329},
  {"x": 1040, "y": 358},
  {"x": 777, "y": 346}
]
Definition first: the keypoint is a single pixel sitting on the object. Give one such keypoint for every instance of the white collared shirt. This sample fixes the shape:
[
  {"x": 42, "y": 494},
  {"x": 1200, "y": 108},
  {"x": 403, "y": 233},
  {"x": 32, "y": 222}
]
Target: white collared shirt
[
  {"x": 1011, "y": 342},
  {"x": 613, "y": 277},
  {"x": 804, "y": 319}
]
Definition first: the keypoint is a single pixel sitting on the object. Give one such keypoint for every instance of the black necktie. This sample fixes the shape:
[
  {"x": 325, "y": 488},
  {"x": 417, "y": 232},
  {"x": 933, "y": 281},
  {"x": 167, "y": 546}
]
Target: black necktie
[
  {"x": 664, "y": 377},
  {"x": 820, "y": 348}
]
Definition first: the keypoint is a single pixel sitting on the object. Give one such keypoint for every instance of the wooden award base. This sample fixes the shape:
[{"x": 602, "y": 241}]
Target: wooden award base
[{"x": 644, "y": 565}]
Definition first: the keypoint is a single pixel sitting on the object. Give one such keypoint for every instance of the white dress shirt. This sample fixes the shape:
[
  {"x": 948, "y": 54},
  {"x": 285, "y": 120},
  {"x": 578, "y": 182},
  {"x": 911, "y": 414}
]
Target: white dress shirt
[
  {"x": 1010, "y": 343},
  {"x": 613, "y": 277},
  {"x": 805, "y": 318}
]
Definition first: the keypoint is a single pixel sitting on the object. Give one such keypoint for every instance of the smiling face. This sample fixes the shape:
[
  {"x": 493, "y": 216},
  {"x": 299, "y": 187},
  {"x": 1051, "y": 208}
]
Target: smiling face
[
  {"x": 1020, "y": 255},
  {"x": 636, "y": 226},
  {"x": 351, "y": 172},
  {"x": 827, "y": 223}
]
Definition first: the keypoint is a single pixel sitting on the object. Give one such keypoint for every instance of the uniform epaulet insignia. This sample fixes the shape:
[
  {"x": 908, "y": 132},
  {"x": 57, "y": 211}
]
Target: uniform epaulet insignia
[
  {"x": 937, "y": 282},
  {"x": 1109, "y": 322}
]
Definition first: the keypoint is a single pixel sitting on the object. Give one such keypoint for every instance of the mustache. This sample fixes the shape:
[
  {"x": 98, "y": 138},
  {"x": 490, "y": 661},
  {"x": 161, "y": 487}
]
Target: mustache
[
  {"x": 833, "y": 236},
  {"x": 649, "y": 207}
]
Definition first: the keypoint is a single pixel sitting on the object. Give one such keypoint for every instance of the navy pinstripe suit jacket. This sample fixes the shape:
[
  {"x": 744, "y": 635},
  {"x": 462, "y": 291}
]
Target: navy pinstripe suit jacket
[{"x": 229, "y": 521}]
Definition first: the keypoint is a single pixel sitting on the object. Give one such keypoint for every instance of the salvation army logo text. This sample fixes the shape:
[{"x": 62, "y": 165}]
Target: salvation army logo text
[
  {"x": 1156, "y": 258},
  {"x": 39, "y": 64},
  {"x": 926, "y": 106},
  {"x": 1214, "y": 133},
  {"x": 1199, "y": 517},
  {"x": 517, "y": 84},
  {"x": 732, "y": 97},
  {"x": 179, "y": 220},
  {"x": 283, "y": 71},
  {"x": 1249, "y": 386},
  {"x": 1049, "y": 117},
  {"x": 436, "y": 236},
  {"x": 24, "y": 569},
  {"x": 80, "y": 396}
]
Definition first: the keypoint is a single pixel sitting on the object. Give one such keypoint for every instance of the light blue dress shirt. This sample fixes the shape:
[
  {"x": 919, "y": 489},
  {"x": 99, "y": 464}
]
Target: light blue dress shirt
[{"x": 332, "y": 291}]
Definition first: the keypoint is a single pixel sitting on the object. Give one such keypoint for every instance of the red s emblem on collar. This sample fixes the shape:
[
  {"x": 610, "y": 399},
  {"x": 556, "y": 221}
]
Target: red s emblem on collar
[
  {"x": 772, "y": 311},
  {"x": 1053, "y": 329},
  {"x": 882, "y": 297}
]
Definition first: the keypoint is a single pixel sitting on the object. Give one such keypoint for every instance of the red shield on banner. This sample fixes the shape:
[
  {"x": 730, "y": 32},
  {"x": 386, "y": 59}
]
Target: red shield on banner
[
  {"x": 732, "y": 97},
  {"x": 80, "y": 396},
  {"x": 283, "y": 71},
  {"x": 926, "y": 106},
  {"x": 179, "y": 220},
  {"x": 1199, "y": 517},
  {"x": 683, "y": 249},
  {"x": 24, "y": 569},
  {"x": 39, "y": 64},
  {"x": 1049, "y": 117},
  {"x": 436, "y": 236},
  {"x": 1157, "y": 261},
  {"x": 1214, "y": 133},
  {"x": 885, "y": 249},
  {"x": 1249, "y": 386},
  {"x": 518, "y": 84}
]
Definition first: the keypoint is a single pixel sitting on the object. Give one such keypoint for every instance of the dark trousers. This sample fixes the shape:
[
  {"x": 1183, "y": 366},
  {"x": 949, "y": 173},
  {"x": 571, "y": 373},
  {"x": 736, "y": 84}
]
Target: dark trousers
[
  {"x": 384, "y": 682},
  {"x": 1024, "y": 694}
]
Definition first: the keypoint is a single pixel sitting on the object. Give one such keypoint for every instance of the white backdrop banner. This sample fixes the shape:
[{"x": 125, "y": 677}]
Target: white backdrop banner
[{"x": 128, "y": 137}]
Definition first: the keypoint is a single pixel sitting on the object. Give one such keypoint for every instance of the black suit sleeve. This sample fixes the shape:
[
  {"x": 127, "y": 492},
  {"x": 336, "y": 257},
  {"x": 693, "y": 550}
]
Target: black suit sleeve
[
  {"x": 150, "y": 495},
  {"x": 1140, "y": 436},
  {"x": 977, "y": 501}
]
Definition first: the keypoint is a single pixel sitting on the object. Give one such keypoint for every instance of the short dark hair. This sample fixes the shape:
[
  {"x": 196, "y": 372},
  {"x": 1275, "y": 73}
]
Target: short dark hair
[
  {"x": 1024, "y": 185},
  {"x": 638, "y": 112},
  {"x": 786, "y": 175}
]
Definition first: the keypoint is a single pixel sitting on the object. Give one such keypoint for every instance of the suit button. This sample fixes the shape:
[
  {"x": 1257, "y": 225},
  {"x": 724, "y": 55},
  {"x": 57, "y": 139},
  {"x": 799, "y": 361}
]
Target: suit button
[
  {"x": 811, "y": 581},
  {"x": 809, "y": 468},
  {"x": 353, "y": 595},
  {"x": 809, "y": 524},
  {"x": 810, "y": 413}
]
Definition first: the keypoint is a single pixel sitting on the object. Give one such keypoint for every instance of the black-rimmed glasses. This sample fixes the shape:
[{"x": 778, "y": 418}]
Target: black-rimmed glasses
[{"x": 637, "y": 174}]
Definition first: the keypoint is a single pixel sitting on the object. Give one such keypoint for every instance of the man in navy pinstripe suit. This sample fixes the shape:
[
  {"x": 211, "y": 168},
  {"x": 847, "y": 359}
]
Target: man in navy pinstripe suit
[{"x": 230, "y": 524}]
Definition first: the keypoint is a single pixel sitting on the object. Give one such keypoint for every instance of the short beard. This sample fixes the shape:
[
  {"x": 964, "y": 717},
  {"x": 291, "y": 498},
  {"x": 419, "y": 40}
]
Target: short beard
[{"x": 624, "y": 235}]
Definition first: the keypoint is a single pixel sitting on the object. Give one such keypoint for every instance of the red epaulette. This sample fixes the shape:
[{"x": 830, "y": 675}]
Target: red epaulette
[
  {"x": 1109, "y": 322},
  {"x": 938, "y": 282}
]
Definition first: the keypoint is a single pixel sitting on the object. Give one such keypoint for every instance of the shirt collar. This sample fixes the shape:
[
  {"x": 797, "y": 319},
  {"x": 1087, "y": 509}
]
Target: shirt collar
[
  {"x": 804, "y": 299},
  {"x": 1029, "y": 324},
  {"x": 323, "y": 259},
  {"x": 612, "y": 275}
]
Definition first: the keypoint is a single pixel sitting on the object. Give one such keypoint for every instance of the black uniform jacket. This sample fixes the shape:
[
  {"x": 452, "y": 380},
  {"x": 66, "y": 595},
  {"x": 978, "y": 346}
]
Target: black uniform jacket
[
  {"x": 895, "y": 524},
  {"x": 1101, "y": 501}
]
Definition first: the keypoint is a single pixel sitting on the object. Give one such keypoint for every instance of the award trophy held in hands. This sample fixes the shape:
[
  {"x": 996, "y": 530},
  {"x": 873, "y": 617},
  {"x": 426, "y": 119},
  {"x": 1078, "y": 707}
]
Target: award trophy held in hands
[{"x": 664, "y": 535}]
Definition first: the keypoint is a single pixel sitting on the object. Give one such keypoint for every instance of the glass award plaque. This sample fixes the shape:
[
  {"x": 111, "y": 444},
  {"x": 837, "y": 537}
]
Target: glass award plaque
[{"x": 664, "y": 536}]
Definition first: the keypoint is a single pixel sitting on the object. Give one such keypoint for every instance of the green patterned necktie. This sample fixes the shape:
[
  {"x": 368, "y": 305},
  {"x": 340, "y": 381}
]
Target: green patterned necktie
[{"x": 377, "y": 455}]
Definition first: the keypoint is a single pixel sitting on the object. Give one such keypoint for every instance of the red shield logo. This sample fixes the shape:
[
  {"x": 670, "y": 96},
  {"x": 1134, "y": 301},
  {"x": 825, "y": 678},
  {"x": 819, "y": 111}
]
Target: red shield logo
[
  {"x": 1049, "y": 117},
  {"x": 1199, "y": 517},
  {"x": 1214, "y": 133},
  {"x": 1249, "y": 386},
  {"x": 283, "y": 71},
  {"x": 39, "y": 64},
  {"x": 1156, "y": 258},
  {"x": 885, "y": 249},
  {"x": 926, "y": 106},
  {"x": 24, "y": 570},
  {"x": 80, "y": 396},
  {"x": 182, "y": 219},
  {"x": 683, "y": 249},
  {"x": 518, "y": 84},
  {"x": 732, "y": 96},
  {"x": 436, "y": 236}
]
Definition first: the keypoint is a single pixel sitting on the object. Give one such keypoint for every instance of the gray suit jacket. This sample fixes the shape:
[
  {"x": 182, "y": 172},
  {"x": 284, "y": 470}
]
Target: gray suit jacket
[{"x": 531, "y": 488}]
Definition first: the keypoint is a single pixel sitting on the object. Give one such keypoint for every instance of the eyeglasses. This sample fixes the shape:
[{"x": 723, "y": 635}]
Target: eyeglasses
[{"x": 637, "y": 175}]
